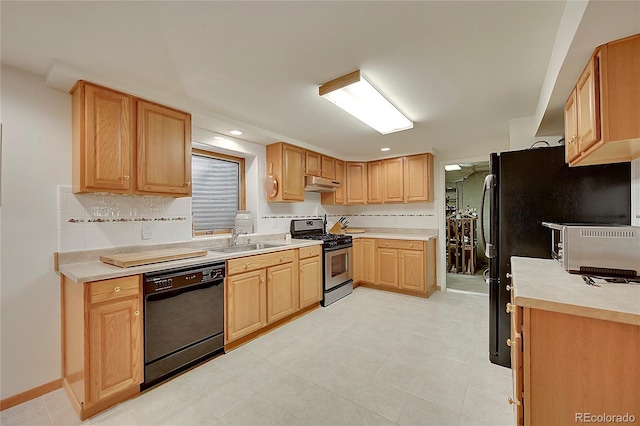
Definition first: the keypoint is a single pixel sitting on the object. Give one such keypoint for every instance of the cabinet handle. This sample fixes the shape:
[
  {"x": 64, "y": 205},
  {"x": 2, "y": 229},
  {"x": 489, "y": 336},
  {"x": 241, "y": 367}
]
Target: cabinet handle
[
  {"x": 126, "y": 177},
  {"x": 510, "y": 308},
  {"x": 512, "y": 401},
  {"x": 136, "y": 313},
  {"x": 117, "y": 289}
]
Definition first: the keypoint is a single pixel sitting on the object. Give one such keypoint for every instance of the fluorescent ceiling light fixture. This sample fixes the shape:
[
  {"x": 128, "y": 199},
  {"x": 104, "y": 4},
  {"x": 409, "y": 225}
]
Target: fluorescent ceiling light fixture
[
  {"x": 452, "y": 167},
  {"x": 235, "y": 132},
  {"x": 385, "y": 149},
  {"x": 359, "y": 98}
]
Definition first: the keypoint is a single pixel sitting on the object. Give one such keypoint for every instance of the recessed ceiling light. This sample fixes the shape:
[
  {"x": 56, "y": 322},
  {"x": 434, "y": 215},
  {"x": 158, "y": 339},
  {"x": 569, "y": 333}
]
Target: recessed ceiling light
[
  {"x": 385, "y": 149},
  {"x": 235, "y": 132}
]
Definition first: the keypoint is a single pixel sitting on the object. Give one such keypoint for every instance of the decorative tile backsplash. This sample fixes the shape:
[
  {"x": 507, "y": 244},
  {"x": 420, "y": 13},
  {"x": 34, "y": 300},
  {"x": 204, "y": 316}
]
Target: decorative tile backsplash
[{"x": 92, "y": 221}]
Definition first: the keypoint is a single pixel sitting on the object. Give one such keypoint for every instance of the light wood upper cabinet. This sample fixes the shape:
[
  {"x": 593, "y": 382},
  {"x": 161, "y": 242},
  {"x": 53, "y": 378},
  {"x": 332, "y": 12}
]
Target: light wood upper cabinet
[
  {"x": 164, "y": 150},
  {"x": 356, "y": 183},
  {"x": 328, "y": 169},
  {"x": 418, "y": 178},
  {"x": 313, "y": 164},
  {"x": 393, "y": 180},
  {"x": 122, "y": 144},
  {"x": 103, "y": 139},
  {"x": 286, "y": 162},
  {"x": 602, "y": 115},
  {"x": 337, "y": 197},
  {"x": 103, "y": 342},
  {"x": 374, "y": 182}
]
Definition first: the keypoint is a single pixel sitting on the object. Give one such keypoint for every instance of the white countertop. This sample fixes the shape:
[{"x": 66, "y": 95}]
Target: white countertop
[
  {"x": 393, "y": 236},
  {"x": 543, "y": 284},
  {"x": 82, "y": 272}
]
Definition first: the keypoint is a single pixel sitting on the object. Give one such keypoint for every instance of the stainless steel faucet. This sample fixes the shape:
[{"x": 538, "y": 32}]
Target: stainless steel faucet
[{"x": 235, "y": 234}]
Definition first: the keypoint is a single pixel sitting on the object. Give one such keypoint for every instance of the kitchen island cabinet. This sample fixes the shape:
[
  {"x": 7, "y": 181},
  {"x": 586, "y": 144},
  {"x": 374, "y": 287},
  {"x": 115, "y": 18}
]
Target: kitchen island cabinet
[
  {"x": 574, "y": 347},
  {"x": 102, "y": 342},
  {"x": 122, "y": 144},
  {"x": 395, "y": 264}
]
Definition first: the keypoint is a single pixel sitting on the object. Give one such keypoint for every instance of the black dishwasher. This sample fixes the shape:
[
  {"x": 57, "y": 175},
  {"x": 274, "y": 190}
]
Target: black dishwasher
[{"x": 183, "y": 319}]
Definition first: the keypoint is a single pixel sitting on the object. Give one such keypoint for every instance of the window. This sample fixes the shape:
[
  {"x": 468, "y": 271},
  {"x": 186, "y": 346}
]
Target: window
[{"x": 217, "y": 193}]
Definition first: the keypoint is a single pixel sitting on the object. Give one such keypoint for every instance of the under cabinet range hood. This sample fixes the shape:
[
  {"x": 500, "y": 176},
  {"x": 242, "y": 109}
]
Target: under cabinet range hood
[{"x": 318, "y": 184}]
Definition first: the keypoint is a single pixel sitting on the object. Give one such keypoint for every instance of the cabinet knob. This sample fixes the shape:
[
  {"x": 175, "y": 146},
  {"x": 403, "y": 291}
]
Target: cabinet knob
[
  {"x": 509, "y": 287},
  {"x": 116, "y": 289},
  {"x": 510, "y": 342},
  {"x": 386, "y": 244},
  {"x": 510, "y": 308},
  {"x": 261, "y": 279},
  {"x": 282, "y": 259},
  {"x": 513, "y": 401},
  {"x": 189, "y": 183},
  {"x": 136, "y": 313},
  {"x": 126, "y": 177},
  {"x": 508, "y": 275},
  {"x": 411, "y": 245},
  {"x": 270, "y": 277}
]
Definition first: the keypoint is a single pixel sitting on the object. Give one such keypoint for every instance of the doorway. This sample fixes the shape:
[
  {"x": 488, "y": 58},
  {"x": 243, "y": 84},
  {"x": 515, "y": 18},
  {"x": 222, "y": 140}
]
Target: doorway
[{"x": 465, "y": 256}]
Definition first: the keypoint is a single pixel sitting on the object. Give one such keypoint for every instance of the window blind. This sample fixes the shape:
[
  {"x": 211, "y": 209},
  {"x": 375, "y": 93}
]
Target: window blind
[{"x": 215, "y": 192}]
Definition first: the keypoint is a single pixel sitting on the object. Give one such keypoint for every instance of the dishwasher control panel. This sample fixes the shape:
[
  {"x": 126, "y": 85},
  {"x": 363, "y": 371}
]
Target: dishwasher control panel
[{"x": 160, "y": 281}]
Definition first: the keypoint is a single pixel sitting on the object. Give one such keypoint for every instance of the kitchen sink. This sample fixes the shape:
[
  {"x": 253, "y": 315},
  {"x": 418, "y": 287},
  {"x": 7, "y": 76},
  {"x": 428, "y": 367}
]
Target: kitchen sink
[{"x": 245, "y": 247}]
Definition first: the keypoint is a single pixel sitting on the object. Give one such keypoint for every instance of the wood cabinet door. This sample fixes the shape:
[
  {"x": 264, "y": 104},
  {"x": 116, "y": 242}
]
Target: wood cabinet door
[
  {"x": 418, "y": 178},
  {"x": 588, "y": 106},
  {"x": 412, "y": 270},
  {"x": 339, "y": 195},
  {"x": 310, "y": 281},
  {"x": 328, "y": 168},
  {"x": 103, "y": 139},
  {"x": 246, "y": 296},
  {"x": 387, "y": 267},
  {"x": 313, "y": 165},
  {"x": 115, "y": 348},
  {"x": 571, "y": 128},
  {"x": 393, "y": 180},
  {"x": 292, "y": 173},
  {"x": 281, "y": 292},
  {"x": 164, "y": 150},
  {"x": 374, "y": 182},
  {"x": 356, "y": 183},
  {"x": 368, "y": 262},
  {"x": 357, "y": 261}
]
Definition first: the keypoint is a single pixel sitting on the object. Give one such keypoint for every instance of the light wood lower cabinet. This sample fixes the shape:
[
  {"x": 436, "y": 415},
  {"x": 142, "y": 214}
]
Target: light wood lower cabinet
[
  {"x": 246, "y": 296},
  {"x": 568, "y": 367},
  {"x": 264, "y": 289},
  {"x": 310, "y": 278},
  {"x": 406, "y": 266},
  {"x": 102, "y": 342}
]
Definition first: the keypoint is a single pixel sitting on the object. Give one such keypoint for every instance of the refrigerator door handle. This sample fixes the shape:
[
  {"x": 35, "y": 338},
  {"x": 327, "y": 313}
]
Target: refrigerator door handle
[{"x": 489, "y": 183}]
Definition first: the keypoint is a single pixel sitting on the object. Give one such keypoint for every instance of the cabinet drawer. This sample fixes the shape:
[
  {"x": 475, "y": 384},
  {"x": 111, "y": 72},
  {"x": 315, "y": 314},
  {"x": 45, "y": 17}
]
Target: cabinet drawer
[
  {"x": 305, "y": 252},
  {"x": 115, "y": 288},
  {"x": 402, "y": 244},
  {"x": 260, "y": 261}
]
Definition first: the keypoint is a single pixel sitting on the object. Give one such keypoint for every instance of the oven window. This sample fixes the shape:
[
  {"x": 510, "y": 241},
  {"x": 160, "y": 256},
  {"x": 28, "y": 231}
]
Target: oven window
[{"x": 338, "y": 264}]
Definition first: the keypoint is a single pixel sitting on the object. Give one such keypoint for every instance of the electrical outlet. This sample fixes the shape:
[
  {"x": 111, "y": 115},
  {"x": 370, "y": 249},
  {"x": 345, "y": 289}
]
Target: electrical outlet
[{"x": 147, "y": 230}]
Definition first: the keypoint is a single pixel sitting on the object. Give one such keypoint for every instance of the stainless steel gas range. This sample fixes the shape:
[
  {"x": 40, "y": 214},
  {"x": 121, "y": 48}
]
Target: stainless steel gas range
[{"x": 338, "y": 267}]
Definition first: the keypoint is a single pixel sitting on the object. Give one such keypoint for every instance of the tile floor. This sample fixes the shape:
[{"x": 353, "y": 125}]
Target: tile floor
[
  {"x": 373, "y": 358},
  {"x": 474, "y": 283}
]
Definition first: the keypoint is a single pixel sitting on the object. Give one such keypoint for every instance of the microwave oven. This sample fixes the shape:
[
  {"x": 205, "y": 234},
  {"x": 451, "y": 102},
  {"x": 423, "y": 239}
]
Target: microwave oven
[{"x": 600, "y": 250}]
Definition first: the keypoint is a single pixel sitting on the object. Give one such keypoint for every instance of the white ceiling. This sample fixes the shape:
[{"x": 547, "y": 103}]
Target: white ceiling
[{"x": 461, "y": 70}]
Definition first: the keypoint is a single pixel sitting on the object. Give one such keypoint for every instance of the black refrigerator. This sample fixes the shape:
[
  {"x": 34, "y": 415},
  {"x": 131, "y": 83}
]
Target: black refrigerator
[{"x": 526, "y": 188}]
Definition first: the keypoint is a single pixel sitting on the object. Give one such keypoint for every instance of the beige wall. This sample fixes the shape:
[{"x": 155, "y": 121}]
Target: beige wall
[{"x": 36, "y": 156}]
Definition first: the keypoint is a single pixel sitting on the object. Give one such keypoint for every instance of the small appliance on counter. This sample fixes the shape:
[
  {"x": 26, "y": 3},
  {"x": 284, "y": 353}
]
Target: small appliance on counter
[{"x": 601, "y": 250}]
